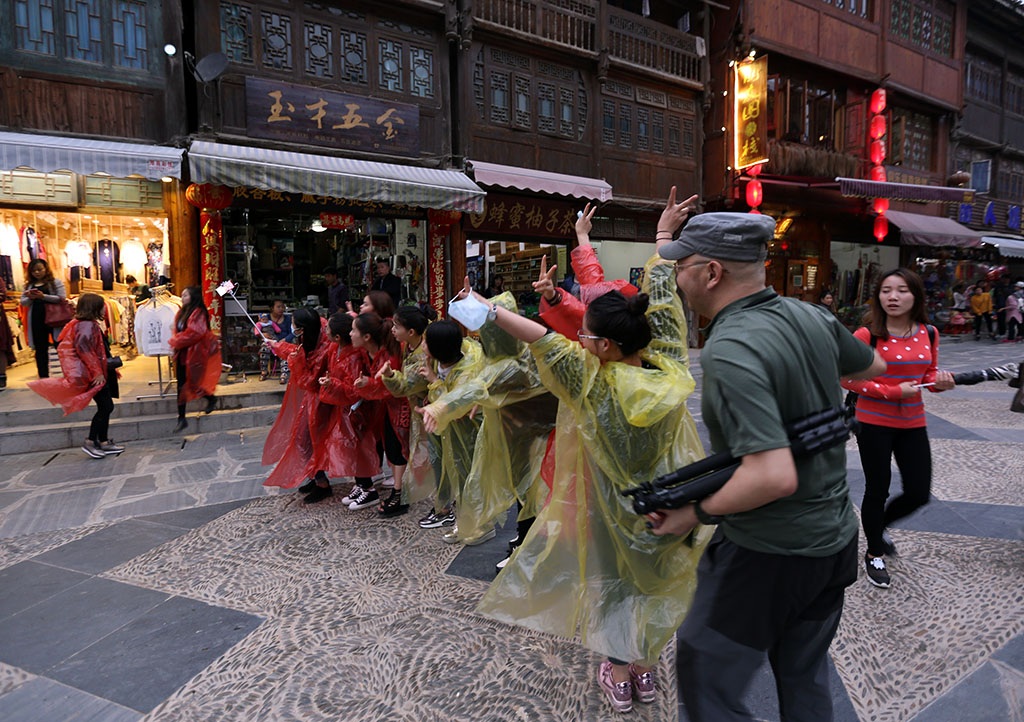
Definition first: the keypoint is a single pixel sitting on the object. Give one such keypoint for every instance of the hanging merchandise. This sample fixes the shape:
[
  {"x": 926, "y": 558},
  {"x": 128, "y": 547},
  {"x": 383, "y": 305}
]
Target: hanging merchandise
[
  {"x": 154, "y": 323},
  {"x": 133, "y": 258},
  {"x": 155, "y": 256},
  {"x": 107, "y": 258},
  {"x": 79, "y": 253},
  {"x": 32, "y": 248}
]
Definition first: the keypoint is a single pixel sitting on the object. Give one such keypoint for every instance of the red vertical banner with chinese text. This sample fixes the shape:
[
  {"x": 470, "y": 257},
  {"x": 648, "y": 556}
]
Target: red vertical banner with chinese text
[
  {"x": 210, "y": 200},
  {"x": 750, "y": 116},
  {"x": 440, "y": 231}
]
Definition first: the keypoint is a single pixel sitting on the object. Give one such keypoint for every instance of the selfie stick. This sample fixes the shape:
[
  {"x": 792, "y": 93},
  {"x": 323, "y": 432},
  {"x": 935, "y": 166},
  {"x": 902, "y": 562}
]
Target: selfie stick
[{"x": 228, "y": 287}]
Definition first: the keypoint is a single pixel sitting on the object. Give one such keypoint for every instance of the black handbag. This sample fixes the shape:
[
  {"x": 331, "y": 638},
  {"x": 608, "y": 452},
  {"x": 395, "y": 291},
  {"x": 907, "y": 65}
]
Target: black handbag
[{"x": 114, "y": 362}]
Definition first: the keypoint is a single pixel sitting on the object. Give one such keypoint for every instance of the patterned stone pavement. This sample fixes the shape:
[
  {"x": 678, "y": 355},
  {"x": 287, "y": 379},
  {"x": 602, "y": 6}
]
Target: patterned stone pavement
[{"x": 229, "y": 609}]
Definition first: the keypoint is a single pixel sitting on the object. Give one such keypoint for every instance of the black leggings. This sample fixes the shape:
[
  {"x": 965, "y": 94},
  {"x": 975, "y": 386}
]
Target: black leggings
[
  {"x": 392, "y": 448},
  {"x": 182, "y": 375},
  {"x": 41, "y": 339},
  {"x": 99, "y": 427},
  {"x": 877, "y": 446}
]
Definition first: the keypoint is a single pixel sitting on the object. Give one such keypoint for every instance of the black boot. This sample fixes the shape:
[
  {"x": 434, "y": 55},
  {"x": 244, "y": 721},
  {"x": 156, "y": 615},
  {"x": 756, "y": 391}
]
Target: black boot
[
  {"x": 318, "y": 494},
  {"x": 182, "y": 424},
  {"x": 393, "y": 505},
  {"x": 211, "y": 402},
  {"x": 308, "y": 487}
]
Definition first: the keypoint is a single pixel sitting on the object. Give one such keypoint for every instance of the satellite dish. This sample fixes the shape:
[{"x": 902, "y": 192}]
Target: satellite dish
[{"x": 210, "y": 67}]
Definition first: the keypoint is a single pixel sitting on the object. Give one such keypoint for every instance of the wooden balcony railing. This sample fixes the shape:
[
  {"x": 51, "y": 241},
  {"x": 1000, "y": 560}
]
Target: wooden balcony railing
[
  {"x": 568, "y": 23},
  {"x": 593, "y": 26}
]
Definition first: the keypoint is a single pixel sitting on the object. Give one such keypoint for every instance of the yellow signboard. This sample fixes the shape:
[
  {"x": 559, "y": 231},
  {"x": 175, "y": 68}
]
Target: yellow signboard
[{"x": 750, "y": 119}]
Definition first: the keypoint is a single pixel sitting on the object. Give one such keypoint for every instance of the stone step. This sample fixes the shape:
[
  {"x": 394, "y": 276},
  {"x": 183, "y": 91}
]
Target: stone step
[
  {"x": 59, "y": 436},
  {"x": 128, "y": 407}
]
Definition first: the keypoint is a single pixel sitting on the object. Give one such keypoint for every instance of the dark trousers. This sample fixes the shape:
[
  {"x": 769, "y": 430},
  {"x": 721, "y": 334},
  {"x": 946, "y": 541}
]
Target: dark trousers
[
  {"x": 977, "y": 323},
  {"x": 752, "y": 605},
  {"x": 1012, "y": 329},
  {"x": 878, "y": 445},
  {"x": 392, "y": 446},
  {"x": 100, "y": 424},
  {"x": 181, "y": 375},
  {"x": 1001, "y": 322},
  {"x": 41, "y": 339}
]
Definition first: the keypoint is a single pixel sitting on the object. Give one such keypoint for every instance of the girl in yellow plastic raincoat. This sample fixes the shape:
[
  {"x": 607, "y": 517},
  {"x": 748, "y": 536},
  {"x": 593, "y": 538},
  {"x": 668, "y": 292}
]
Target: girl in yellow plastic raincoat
[
  {"x": 518, "y": 415},
  {"x": 590, "y": 563},
  {"x": 420, "y": 480}
]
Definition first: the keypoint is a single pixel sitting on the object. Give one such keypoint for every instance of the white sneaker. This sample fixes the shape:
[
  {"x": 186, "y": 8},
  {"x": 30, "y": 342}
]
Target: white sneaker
[
  {"x": 351, "y": 495},
  {"x": 388, "y": 483},
  {"x": 364, "y": 499}
]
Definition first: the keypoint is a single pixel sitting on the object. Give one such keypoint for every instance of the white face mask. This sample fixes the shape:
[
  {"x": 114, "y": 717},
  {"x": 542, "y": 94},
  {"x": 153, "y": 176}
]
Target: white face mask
[{"x": 470, "y": 312}]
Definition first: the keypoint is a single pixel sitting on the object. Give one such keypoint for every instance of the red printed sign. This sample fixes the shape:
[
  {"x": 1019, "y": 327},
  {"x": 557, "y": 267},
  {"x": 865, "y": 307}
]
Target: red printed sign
[{"x": 340, "y": 221}]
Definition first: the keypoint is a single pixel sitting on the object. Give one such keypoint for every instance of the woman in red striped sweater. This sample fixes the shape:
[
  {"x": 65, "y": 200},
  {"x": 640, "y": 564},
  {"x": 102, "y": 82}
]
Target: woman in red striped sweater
[{"x": 891, "y": 411}]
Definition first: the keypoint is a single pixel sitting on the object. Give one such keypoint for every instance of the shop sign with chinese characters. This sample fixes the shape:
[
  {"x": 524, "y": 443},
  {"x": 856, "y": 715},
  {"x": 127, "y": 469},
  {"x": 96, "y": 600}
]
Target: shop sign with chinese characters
[
  {"x": 750, "y": 121},
  {"x": 302, "y": 114},
  {"x": 339, "y": 221},
  {"x": 523, "y": 217}
]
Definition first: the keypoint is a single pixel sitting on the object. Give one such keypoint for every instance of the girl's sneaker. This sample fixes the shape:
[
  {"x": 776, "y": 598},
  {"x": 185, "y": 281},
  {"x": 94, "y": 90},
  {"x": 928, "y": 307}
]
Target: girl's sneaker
[
  {"x": 351, "y": 495},
  {"x": 643, "y": 685},
  {"x": 620, "y": 694},
  {"x": 365, "y": 498},
  {"x": 109, "y": 448},
  {"x": 90, "y": 448}
]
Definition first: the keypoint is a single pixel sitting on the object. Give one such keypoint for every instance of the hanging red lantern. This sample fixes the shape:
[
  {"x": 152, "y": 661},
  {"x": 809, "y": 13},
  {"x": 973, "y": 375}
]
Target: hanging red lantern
[
  {"x": 877, "y": 152},
  {"x": 878, "y": 127},
  {"x": 878, "y": 173},
  {"x": 881, "y": 205},
  {"x": 755, "y": 170},
  {"x": 784, "y": 245},
  {"x": 755, "y": 194},
  {"x": 881, "y": 228},
  {"x": 878, "y": 101}
]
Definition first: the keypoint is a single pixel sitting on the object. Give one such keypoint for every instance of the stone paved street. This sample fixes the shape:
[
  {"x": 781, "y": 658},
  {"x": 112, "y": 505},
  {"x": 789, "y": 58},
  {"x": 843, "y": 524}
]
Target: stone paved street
[{"x": 168, "y": 584}]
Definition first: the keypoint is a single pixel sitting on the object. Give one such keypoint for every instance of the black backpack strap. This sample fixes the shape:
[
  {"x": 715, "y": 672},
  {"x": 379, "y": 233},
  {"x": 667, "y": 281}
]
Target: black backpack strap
[{"x": 931, "y": 334}]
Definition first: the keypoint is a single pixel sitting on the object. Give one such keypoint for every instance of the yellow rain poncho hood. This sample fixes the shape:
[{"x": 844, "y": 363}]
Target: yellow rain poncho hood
[
  {"x": 517, "y": 416},
  {"x": 589, "y": 563},
  {"x": 424, "y": 456}
]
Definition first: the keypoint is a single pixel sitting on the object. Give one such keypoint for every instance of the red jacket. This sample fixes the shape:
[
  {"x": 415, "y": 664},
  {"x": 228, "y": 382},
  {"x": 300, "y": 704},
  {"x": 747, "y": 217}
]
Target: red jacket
[
  {"x": 351, "y": 447},
  {"x": 199, "y": 349},
  {"x": 397, "y": 409}
]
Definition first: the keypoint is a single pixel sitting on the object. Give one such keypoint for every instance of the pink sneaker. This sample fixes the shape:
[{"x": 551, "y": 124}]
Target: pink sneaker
[
  {"x": 620, "y": 694},
  {"x": 643, "y": 685}
]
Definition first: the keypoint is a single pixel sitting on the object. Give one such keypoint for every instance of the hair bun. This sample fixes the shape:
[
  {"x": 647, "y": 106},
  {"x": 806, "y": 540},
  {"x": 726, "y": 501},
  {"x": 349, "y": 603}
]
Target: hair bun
[
  {"x": 637, "y": 305},
  {"x": 428, "y": 311}
]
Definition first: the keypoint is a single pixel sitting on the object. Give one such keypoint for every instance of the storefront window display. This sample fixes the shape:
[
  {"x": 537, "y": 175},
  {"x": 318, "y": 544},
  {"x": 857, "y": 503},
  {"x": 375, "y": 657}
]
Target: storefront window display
[{"x": 942, "y": 269}]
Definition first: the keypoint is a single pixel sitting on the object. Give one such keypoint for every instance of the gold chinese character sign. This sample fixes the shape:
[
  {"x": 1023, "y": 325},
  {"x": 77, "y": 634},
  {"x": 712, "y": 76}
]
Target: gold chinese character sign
[
  {"x": 302, "y": 114},
  {"x": 750, "y": 119}
]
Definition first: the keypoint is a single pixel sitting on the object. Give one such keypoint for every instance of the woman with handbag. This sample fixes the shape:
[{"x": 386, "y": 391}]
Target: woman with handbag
[
  {"x": 90, "y": 374},
  {"x": 197, "y": 360},
  {"x": 48, "y": 311}
]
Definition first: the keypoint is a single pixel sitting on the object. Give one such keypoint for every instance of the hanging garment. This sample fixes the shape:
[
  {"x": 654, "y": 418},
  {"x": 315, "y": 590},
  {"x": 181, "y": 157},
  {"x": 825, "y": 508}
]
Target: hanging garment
[
  {"x": 154, "y": 326},
  {"x": 107, "y": 258},
  {"x": 155, "y": 255},
  {"x": 32, "y": 247},
  {"x": 7, "y": 271}
]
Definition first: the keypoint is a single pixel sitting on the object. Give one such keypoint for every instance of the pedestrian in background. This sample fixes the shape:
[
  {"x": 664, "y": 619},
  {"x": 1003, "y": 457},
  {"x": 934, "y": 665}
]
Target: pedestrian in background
[
  {"x": 827, "y": 300},
  {"x": 981, "y": 307},
  {"x": 6, "y": 339},
  {"x": 42, "y": 290},
  {"x": 88, "y": 374},
  {"x": 771, "y": 583},
  {"x": 276, "y": 327},
  {"x": 387, "y": 281},
  {"x": 196, "y": 354},
  {"x": 337, "y": 292},
  {"x": 891, "y": 411},
  {"x": 1014, "y": 310},
  {"x": 139, "y": 290}
]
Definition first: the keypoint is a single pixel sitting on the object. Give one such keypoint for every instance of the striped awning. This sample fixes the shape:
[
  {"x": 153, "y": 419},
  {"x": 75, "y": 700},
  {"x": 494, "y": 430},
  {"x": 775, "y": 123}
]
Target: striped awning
[
  {"x": 1007, "y": 246},
  {"x": 342, "y": 178},
  {"x": 861, "y": 188},
  {"x": 539, "y": 181},
  {"x": 49, "y": 153}
]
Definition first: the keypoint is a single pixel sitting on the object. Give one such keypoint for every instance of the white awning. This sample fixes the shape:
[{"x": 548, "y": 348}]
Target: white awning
[
  {"x": 49, "y": 153},
  {"x": 327, "y": 175},
  {"x": 1007, "y": 246},
  {"x": 540, "y": 181}
]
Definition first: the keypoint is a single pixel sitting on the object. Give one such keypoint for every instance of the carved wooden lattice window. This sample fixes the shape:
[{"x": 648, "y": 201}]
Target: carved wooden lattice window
[
  {"x": 581, "y": 110},
  {"x": 926, "y": 23},
  {"x": 83, "y": 38},
  {"x": 567, "y": 125},
  {"x": 643, "y": 125},
  {"x": 421, "y": 63},
  {"x": 319, "y": 59},
  {"x": 236, "y": 32},
  {"x": 523, "y": 116},
  {"x": 674, "y": 133},
  {"x": 478, "y": 84},
  {"x": 625, "y": 125},
  {"x": 546, "y": 107},
  {"x": 608, "y": 122},
  {"x": 390, "y": 65},
  {"x": 353, "y": 57},
  {"x": 658, "y": 136},
  {"x": 499, "y": 97},
  {"x": 130, "y": 30},
  {"x": 33, "y": 26},
  {"x": 688, "y": 138},
  {"x": 984, "y": 79},
  {"x": 277, "y": 41},
  {"x": 912, "y": 138}
]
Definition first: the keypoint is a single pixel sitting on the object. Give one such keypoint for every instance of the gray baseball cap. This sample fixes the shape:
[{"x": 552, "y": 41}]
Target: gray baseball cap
[{"x": 723, "y": 236}]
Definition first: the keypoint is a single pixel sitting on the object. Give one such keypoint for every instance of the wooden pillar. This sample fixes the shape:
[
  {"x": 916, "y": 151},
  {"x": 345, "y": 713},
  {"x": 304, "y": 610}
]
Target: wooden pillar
[
  {"x": 457, "y": 253},
  {"x": 183, "y": 237}
]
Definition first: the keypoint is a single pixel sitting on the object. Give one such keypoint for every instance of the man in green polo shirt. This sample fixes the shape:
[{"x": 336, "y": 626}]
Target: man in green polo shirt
[{"x": 771, "y": 582}]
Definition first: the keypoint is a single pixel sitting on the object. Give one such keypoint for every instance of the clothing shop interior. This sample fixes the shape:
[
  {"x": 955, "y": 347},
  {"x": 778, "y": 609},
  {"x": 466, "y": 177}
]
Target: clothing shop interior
[
  {"x": 89, "y": 253},
  {"x": 272, "y": 254}
]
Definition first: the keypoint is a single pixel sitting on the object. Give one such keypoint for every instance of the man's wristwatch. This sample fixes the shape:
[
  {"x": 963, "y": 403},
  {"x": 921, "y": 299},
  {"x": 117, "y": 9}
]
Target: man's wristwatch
[
  {"x": 704, "y": 518},
  {"x": 493, "y": 313}
]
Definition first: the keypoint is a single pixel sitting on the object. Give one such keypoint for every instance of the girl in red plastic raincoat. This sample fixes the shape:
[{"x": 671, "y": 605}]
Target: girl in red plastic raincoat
[
  {"x": 374, "y": 335},
  {"x": 350, "y": 448},
  {"x": 298, "y": 440},
  {"x": 196, "y": 357},
  {"x": 83, "y": 359}
]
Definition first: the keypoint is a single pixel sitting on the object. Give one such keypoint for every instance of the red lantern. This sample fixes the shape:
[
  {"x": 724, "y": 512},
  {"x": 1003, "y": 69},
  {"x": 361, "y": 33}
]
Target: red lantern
[
  {"x": 878, "y": 126},
  {"x": 877, "y": 152},
  {"x": 209, "y": 197},
  {"x": 881, "y": 228},
  {"x": 881, "y": 205},
  {"x": 878, "y": 173},
  {"x": 755, "y": 170},
  {"x": 878, "y": 101},
  {"x": 755, "y": 194}
]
